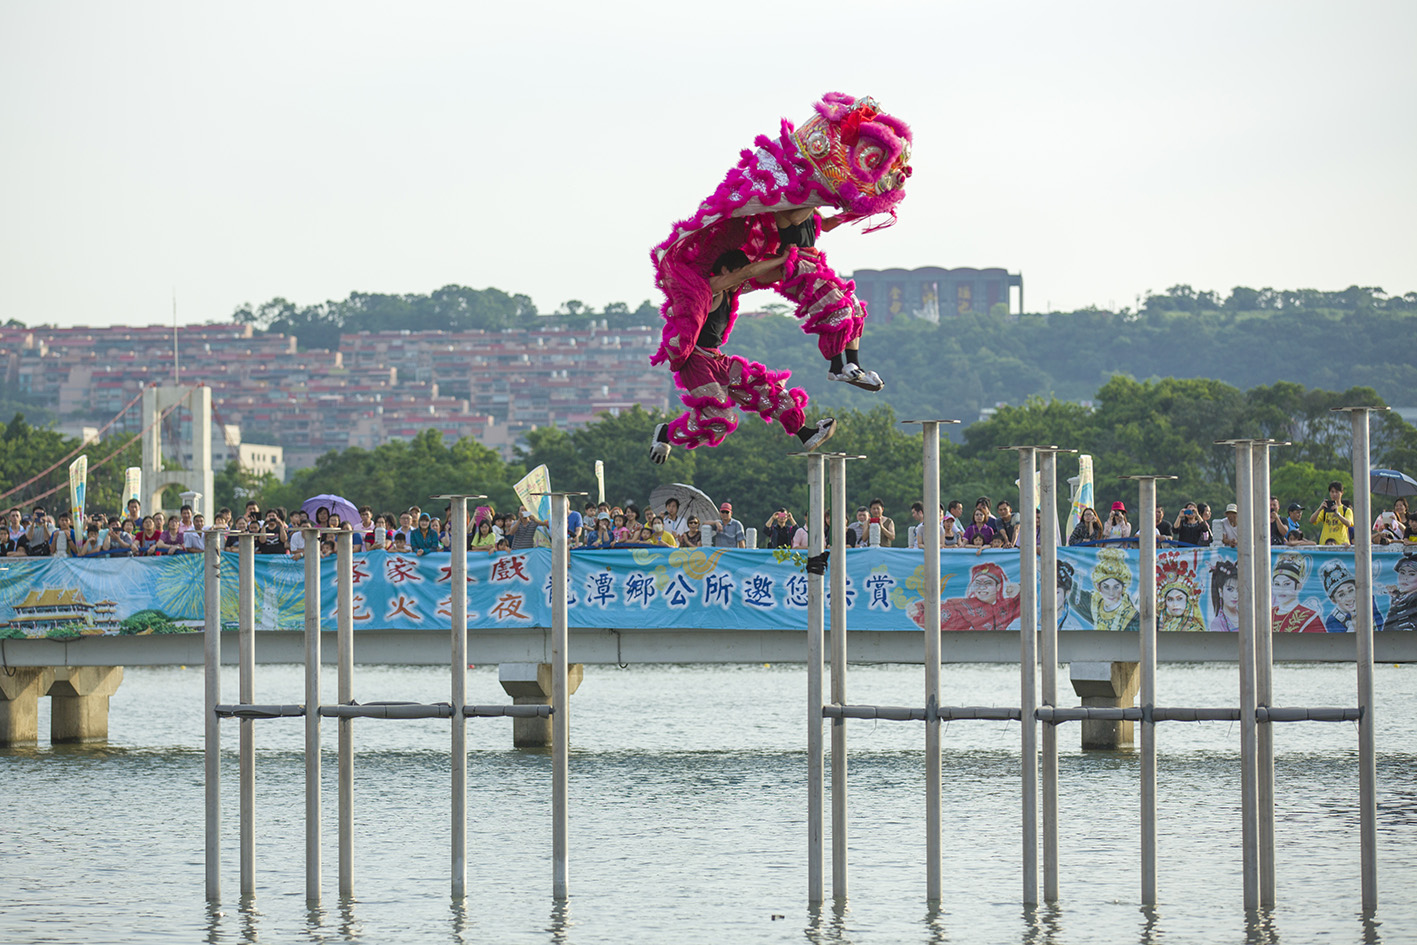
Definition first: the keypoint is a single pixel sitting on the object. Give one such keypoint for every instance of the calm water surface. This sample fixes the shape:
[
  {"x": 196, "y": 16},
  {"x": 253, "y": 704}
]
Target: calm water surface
[{"x": 688, "y": 819}]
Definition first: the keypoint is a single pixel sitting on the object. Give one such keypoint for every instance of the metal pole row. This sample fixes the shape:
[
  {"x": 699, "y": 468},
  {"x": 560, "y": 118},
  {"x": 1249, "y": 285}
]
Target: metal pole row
[{"x": 347, "y": 709}]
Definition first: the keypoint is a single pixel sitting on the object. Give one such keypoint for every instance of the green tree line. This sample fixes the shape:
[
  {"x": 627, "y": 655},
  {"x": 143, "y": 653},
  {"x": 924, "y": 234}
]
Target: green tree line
[{"x": 1134, "y": 427}]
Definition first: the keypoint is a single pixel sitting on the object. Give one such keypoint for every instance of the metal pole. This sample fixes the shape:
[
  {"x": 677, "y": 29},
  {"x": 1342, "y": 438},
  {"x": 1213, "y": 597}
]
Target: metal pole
[
  {"x": 1264, "y": 669},
  {"x": 1146, "y": 591},
  {"x": 930, "y": 525},
  {"x": 458, "y": 698},
  {"x": 246, "y": 633},
  {"x": 560, "y": 695},
  {"x": 344, "y": 622},
  {"x": 1027, "y": 676},
  {"x": 312, "y": 714},
  {"x": 838, "y": 673},
  {"x": 1249, "y": 795},
  {"x": 1363, "y": 624},
  {"x": 211, "y": 619},
  {"x": 1048, "y": 593},
  {"x": 816, "y": 630}
]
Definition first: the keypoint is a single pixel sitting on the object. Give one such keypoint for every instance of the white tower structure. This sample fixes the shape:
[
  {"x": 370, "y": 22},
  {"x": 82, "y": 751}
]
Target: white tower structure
[{"x": 199, "y": 478}]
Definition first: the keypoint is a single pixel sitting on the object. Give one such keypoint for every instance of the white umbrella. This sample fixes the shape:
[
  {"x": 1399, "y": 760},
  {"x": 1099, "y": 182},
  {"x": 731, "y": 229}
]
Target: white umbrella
[{"x": 692, "y": 502}]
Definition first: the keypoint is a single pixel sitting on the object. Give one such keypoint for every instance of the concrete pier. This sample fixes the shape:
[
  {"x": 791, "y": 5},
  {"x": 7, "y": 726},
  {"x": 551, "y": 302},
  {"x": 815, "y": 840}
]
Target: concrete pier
[
  {"x": 530, "y": 684},
  {"x": 1110, "y": 686},
  {"x": 79, "y": 713}
]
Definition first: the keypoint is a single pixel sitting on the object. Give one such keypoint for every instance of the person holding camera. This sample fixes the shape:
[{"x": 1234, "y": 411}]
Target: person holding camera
[
  {"x": 779, "y": 528},
  {"x": 1190, "y": 528},
  {"x": 1335, "y": 517},
  {"x": 1117, "y": 525}
]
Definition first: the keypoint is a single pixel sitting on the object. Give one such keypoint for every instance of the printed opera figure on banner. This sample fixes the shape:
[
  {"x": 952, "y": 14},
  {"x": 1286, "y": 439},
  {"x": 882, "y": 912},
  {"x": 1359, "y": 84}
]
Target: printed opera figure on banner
[
  {"x": 1288, "y": 615},
  {"x": 1179, "y": 591},
  {"x": 989, "y": 603},
  {"x": 759, "y": 230},
  {"x": 1225, "y": 597},
  {"x": 1402, "y": 596},
  {"x": 1067, "y": 619},
  {"x": 1342, "y": 589},
  {"x": 1109, "y": 602}
]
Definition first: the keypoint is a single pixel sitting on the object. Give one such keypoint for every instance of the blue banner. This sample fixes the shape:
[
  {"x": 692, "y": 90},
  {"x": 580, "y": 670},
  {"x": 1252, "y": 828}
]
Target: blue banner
[{"x": 1313, "y": 590}]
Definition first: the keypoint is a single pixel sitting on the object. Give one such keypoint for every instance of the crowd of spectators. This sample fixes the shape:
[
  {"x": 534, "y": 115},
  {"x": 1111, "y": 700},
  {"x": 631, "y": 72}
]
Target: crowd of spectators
[{"x": 601, "y": 525}]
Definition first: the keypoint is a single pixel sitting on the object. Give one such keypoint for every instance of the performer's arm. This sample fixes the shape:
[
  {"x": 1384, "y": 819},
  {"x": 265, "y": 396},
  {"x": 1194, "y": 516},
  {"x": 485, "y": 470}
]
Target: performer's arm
[{"x": 733, "y": 278}]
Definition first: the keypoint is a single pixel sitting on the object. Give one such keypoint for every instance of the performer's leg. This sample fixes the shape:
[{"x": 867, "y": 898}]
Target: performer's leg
[
  {"x": 757, "y": 390},
  {"x": 710, "y": 416},
  {"x": 830, "y": 310}
]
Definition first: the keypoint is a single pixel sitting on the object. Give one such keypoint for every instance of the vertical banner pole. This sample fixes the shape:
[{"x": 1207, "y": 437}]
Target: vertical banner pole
[
  {"x": 312, "y": 714},
  {"x": 1249, "y": 795},
  {"x": 816, "y": 631},
  {"x": 1264, "y": 668},
  {"x": 838, "y": 673},
  {"x": 1048, "y": 593},
  {"x": 458, "y": 696},
  {"x": 1028, "y": 668},
  {"x": 1363, "y": 623},
  {"x": 1146, "y": 586},
  {"x": 246, "y": 642},
  {"x": 560, "y": 695},
  {"x": 930, "y": 529},
  {"x": 211, "y": 620},
  {"x": 344, "y": 623}
]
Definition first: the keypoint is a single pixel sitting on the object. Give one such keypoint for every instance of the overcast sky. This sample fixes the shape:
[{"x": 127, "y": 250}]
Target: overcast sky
[{"x": 242, "y": 151}]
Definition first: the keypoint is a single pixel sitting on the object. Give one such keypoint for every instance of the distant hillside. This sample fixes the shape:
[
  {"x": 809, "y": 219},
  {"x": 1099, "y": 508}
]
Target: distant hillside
[{"x": 972, "y": 362}]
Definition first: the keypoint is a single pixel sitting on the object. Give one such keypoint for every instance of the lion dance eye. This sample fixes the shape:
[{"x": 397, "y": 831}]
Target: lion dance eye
[{"x": 871, "y": 158}]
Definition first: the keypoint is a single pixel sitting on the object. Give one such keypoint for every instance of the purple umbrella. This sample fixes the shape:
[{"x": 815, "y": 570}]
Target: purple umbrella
[{"x": 338, "y": 505}]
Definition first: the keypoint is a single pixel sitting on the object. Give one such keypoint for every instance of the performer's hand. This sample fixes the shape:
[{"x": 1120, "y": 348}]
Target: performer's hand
[{"x": 831, "y": 223}]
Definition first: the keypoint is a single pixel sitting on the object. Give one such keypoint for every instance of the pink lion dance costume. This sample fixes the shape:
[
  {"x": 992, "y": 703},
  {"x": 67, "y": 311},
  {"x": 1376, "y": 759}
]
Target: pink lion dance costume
[{"x": 848, "y": 155}]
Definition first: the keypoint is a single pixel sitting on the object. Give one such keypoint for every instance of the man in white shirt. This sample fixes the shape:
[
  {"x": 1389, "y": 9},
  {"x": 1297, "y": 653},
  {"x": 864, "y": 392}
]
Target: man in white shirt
[
  {"x": 1228, "y": 528},
  {"x": 194, "y": 538}
]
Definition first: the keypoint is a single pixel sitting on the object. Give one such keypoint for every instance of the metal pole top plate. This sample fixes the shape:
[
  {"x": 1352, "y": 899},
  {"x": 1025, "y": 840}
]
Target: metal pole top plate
[
  {"x": 560, "y": 493},
  {"x": 1356, "y": 409},
  {"x": 929, "y": 421},
  {"x": 1050, "y": 448},
  {"x": 457, "y": 495},
  {"x": 1144, "y": 478}
]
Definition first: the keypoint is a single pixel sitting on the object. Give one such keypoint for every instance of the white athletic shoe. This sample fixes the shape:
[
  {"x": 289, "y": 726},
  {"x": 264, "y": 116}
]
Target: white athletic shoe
[
  {"x": 854, "y": 375},
  {"x": 658, "y": 446},
  {"x": 825, "y": 428}
]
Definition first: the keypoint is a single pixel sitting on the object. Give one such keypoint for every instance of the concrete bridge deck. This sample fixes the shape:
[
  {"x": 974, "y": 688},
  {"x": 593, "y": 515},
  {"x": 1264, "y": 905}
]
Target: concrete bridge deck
[{"x": 685, "y": 645}]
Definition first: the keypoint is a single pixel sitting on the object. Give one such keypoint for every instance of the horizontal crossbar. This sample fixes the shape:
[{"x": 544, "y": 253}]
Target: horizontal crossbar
[
  {"x": 507, "y": 711},
  {"x": 900, "y": 713},
  {"x": 385, "y": 710},
  {"x": 1056, "y": 714},
  {"x": 243, "y": 711},
  {"x": 388, "y": 710}
]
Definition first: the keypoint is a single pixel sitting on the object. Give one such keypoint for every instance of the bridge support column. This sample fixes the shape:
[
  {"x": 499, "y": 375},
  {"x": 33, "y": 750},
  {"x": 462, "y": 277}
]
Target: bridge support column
[
  {"x": 530, "y": 684},
  {"x": 80, "y": 702},
  {"x": 19, "y": 704},
  {"x": 1110, "y": 686}
]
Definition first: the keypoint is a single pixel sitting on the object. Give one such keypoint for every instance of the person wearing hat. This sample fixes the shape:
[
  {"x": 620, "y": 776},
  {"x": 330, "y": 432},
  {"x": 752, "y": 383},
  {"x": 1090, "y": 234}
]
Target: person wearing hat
[
  {"x": 1342, "y": 590},
  {"x": 728, "y": 532},
  {"x": 1287, "y": 614},
  {"x": 1228, "y": 528},
  {"x": 1402, "y": 595},
  {"x": 1117, "y": 525},
  {"x": 1293, "y": 526}
]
